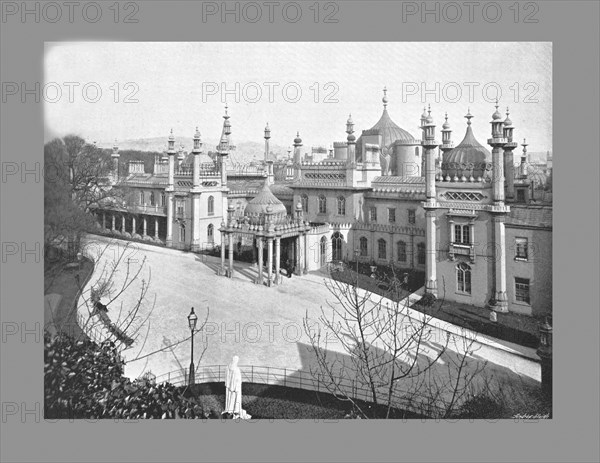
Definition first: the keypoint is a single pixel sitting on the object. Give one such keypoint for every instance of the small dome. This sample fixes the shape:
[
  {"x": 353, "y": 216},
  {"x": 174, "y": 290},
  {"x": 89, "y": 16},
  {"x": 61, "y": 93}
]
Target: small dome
[
  {"x": 197, "y": 134},
  {"x": 496, "y": 116},
  {"x": 424, "y": 115},
  {"x": 446, "y": 124},
  {"x": 297, "y": 140},
  {"x": 265, "y": 202},
  {"x": 507, "y": 121},
  {"x": 171, "y": 136},
  {"x": 469, "y": 158}
]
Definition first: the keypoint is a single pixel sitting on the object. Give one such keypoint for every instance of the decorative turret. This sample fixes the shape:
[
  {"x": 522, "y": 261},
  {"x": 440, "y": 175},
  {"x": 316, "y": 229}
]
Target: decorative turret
[
  {"x": 197, "y": 142},
  {"x": 429, "y": 145},
  {"x": 297, "y": 149},
  {"x": 523, "y": 166},
  {"x": 115, "y": 162},
  {"x": 509, "y": 164},
  {"x": 424, "y": 117},
  {"x": 180, "y": 155},
  {"x": 447, "y": 144},
  {"x": 497, "y": 142},
  {"x": 197, "y": 150},
  {"x": 171, "y": 143},
  {"x": 223, "y": 153},
  {"x": 268, "y": 160},
  {"x": 351, "y": 141},
  {"x": 430, "y": 204}
]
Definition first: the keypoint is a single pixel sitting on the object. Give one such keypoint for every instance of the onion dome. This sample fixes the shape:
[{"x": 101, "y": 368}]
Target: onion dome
[
  {"x": 424, "y": 115},
  {"x": 446, "y": 124},
  {"x": 171, "y": 136},
  {"x": 258, "y": 206},
  {"x": 384, "y": 99},
  {"x": 469, "y": 158},
  {"x": 298, "y": 140},
  {"x": 507, "y": 121},
  {"x": 197, "y": 134},
  {"x": 429, "y": 119},
  {"x": 496, "y": 116}
]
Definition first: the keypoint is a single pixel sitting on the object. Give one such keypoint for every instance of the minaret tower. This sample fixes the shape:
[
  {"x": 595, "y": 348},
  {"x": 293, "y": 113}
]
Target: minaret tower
[
  {"x": 170, "y": 189},
  {"x": 196, "y": 192},
  {"x": 298, "y": 156},
  {"x": 351, "y": 139},
  {"x": 523, "y": 166},
  {"x": 446, "y": 146},
  {"x": 509, "y": 163},
  {"x": 498, "y": 211},
  {"x": 430, "y": 205},
  {"x": 115, "y": 163},
  {"x": 268, "y": 160}
]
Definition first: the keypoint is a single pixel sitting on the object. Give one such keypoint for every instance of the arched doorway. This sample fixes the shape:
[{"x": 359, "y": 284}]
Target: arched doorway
[{"x": 336, "y": 245}]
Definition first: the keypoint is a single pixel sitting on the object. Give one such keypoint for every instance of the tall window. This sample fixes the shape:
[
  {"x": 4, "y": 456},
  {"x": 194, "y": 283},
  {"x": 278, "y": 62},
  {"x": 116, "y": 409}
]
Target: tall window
[
  {"x": 141, "y": 197},
  {"x": 382, "y": 248},
  {"x": 152, "y": 199},
  {"x": 401, "y": 251},
  {"x": 421, "y": 253},
  {"x": 211, "y": 205},
  {"x": 304, "y": 201},
  {"x": 520, "y": 196},
  {"x": 163, "y": 199},
  {"x": 462, "y": 234},
  {"x": 336, "y": 245},
  {"x": 522, "y": 289},
  {"x": 373, "y": 214},
  {"x": 391, "y": 215},
  {"x": 463, "y": 278},
  {"x": 364, "y": 247},
  {"x": 180, "y": 206},
  {"x": 182, "y": 233},
  {"x": 210, "y": 233},
  {"x": 323, "y": 250},
  {"x": 341, "y": 205},
  {"x": 521, "y": 246},
  {"x": 322, "y": 204},
  {"x": 411, "y": 216}
]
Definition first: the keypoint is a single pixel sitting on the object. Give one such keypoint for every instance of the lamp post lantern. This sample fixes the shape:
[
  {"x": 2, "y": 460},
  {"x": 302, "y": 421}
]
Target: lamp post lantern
[{"x": 192, "y": 320}]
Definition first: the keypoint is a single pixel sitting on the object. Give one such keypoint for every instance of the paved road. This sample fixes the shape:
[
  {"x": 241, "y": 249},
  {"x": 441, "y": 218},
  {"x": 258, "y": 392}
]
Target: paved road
[{"x": 264, "y": 326}]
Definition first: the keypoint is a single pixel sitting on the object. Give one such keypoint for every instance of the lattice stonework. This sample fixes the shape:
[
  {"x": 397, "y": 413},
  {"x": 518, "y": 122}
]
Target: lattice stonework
[
  {"x": 463, "y": 196},
  {"x": 324, "y": 176}
]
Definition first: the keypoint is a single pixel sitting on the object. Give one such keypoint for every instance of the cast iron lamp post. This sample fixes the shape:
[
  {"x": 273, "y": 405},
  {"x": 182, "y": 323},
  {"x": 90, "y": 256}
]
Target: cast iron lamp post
[{"x": 192, "y": 320}]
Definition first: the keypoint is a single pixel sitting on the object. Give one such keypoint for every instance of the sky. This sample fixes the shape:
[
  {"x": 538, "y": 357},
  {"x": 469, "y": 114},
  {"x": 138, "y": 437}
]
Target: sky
[{"x": 149, "y": 88}]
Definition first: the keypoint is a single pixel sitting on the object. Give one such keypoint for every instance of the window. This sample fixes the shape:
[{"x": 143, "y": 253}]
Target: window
[
  {"x": 323, "y": 250},
  {"x": 304, "y": 201},
  {"x": 152, "y": 199},
  {"x": 463, "y": 278},
  {"x": 521, "y": 196},
  {"x": 391, "y": 215},
  {"x": 521, "y": 248},
  {"x": 322, "y": 204},
  {"x": 364, "y": 247},
  {"x": 373, "y": 214},
  {"x": 211, "y": 205},
  {"x": 341, "y": 205},
  {"x": 401, "y": 251},
  {"x": 210, "y": 233},
  {"x": 336, "y": 244},
  {"x": 462, "y": 234},
  {"x": 180, "y": 205},
  {"x": 421, "y": 253},
  {"x": 141, "y": 197},
  {"x": 182, "y": 233},
  {"x": 163, "y": 199},
  {"x": 522, "y": 289},
  {"x": 411, "y": 216},
  {"x": 381, "y": 248}
]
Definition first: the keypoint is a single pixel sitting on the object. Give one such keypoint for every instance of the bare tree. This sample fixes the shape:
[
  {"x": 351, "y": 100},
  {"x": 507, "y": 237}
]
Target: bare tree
[{"x": 389, "y": 350}]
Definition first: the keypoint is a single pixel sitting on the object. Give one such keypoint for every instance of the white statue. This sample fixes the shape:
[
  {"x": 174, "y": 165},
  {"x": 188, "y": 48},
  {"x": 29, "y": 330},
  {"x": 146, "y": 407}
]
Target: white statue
[{"x": 233, "y": 390}]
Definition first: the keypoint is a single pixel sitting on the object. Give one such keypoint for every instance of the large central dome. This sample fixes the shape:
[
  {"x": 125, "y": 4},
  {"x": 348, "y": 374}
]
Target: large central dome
[{"x": 257, "y": 207}]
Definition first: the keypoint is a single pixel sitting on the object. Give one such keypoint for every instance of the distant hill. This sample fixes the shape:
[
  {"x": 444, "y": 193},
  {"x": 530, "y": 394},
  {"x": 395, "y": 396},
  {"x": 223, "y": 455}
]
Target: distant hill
[{"x": 244, "y": 152}]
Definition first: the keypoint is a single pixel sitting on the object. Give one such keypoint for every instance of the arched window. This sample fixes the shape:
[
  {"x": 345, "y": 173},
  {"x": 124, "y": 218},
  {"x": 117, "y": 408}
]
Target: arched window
[
  {"x": 323, "y": 251},
  {"x": 322, "y": 204},
  {"x": 210, "y": 233},
  {"x": 401, "y": 251},
  {"x": 152, "y": 198},
  {"x": 364, "y": 247},
  {"x": 381, "y": 248},
  {"x": 373, "y": 214},
  {"x": 336, "y": 245},
  {"x": 463, "y": 278},
  {"x": 304, "y": 202},
  {"x": 182, "y": 233},
  {"x": 211, "y": 205},
  {"x": 421, "y": 253},
  {"x": 341, "y": 205},
  {"x": 141, "y": 197}
]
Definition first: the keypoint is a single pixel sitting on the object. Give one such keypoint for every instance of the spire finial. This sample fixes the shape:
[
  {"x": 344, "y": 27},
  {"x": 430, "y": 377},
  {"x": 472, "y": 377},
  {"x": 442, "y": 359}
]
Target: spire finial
[
  {"x": 507, "y": 111},
  {"x": 446, "y": 117},
  {"x": 429, "y": 109},
  {"x": 469, "y": 116},
  {"x": 385, "y": 99}
]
